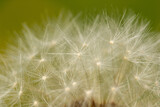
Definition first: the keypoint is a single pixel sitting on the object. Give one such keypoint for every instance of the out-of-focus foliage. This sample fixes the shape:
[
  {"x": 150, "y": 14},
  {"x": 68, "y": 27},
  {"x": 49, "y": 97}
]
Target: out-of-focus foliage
[{"x": 13, "y": 13}]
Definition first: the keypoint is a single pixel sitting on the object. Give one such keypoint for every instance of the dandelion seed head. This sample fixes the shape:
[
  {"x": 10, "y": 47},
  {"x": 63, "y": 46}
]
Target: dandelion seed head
[{"x": 129, "y": 64}]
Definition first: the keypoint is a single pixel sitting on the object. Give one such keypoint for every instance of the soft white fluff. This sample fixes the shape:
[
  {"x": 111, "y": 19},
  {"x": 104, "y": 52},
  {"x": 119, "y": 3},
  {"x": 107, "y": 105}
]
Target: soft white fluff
[{"x": 105, "y": 60}]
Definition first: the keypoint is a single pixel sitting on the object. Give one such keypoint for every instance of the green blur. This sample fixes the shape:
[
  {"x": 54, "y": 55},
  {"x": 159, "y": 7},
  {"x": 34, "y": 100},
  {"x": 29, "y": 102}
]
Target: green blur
[{"x": 14, "y": 13}]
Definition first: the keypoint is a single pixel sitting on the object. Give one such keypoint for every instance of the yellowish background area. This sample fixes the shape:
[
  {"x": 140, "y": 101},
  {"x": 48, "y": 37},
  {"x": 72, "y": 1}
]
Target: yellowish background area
[{"x": 13, "y": 13}]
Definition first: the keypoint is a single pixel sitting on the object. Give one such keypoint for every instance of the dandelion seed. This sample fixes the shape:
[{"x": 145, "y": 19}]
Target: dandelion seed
[
  {"x": 85, "y": 45},
  {"x": 74, "y": 84},
  {"x": 111, "y": 42},
  {"x": 44, "y": 78},
  {"x": 67, "y": 89},
  {"x": 20, "y": 93},
  {"x": 137, "y": 77},
  {"x": 65, "y": 71},
  {"x": 35, "y": 103},
  {"x": 127, "y": 39},
  {"x": 113, "y": 89},
  {"x": 14, "y": 84},
  {"x": 128, "y": 51},
  {"x": 88, "y": 93},
  {"x": 79, "y": 54},
  {"x": 98, "y": 63},
  {"x": 156, "y": 83},
  {"x": 125, "y": 58},
  {"x": 31, "y": 56},
  {"x": 53, "y": 43},
  {"x": 41, "y": 60}
]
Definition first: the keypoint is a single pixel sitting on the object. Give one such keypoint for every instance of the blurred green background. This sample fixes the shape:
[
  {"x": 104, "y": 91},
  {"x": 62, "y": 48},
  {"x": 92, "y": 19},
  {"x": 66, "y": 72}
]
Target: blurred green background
[{"x": 13, "y": 13}]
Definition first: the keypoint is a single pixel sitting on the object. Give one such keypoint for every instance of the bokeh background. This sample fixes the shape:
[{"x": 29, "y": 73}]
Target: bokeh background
[{"x": 13, "y": 13}]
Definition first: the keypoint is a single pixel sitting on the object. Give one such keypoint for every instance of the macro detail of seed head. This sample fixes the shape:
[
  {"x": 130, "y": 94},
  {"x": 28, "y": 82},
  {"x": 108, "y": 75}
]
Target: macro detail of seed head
[{"x": 70, "y": 63}]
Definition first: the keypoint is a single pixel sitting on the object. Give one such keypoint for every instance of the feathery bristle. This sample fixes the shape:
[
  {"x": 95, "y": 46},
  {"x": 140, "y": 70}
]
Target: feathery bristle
[{"x": 106, "y": 63}]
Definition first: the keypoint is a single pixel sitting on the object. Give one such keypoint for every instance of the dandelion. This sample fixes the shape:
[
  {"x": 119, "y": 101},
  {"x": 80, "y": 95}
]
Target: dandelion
[
  {"x": 69, "y": 63},
  {"x": 111, "y": 42},
  {"x": 44, "y": 78},
  {"x": 35, "y": 103}
]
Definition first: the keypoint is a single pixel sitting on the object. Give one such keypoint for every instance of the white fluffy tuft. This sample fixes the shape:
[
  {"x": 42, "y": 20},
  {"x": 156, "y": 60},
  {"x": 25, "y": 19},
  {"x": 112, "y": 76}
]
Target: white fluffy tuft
[{"x": 69, "y": 61}]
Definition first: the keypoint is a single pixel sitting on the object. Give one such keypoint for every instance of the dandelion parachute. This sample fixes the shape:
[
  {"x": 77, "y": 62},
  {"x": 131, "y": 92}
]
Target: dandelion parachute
[{"x": 70, "y": 63}]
